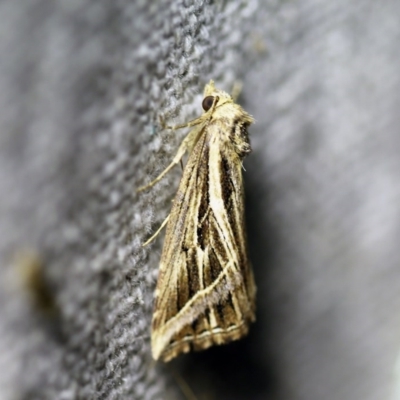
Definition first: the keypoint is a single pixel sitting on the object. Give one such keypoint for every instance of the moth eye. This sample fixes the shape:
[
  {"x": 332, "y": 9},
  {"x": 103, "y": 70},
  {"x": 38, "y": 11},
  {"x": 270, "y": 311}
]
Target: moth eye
[{"x": 207, "y": 102}]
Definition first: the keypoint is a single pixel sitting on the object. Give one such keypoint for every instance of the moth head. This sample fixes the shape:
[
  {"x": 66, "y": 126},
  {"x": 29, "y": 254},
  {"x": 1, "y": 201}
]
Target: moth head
[{"x": 211, "y": 94}]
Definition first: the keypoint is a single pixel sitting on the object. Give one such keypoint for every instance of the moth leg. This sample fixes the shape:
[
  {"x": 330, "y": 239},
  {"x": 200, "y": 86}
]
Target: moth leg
[
  {"x": 157, "y": 232},
  {"x": 186, "y": 145},
  {"x": 193, "y": 122}
]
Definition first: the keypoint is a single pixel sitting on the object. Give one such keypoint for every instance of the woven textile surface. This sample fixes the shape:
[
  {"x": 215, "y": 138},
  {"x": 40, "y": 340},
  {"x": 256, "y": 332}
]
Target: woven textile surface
[{"x": 83, "y": 85}]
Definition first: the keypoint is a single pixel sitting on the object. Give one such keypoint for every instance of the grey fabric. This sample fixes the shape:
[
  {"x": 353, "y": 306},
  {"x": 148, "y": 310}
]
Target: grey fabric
[{"x": 82, "y": 87}]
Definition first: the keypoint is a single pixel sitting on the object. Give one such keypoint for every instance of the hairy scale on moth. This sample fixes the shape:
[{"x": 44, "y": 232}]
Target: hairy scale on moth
[{"x": 205, "y": 293}]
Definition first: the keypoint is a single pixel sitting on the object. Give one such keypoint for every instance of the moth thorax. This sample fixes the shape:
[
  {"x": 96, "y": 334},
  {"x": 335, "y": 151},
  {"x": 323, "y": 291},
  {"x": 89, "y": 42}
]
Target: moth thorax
[{"x": 240, "y": 139}]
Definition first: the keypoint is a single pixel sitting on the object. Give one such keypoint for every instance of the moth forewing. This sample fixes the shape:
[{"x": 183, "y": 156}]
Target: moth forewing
[{"x": 205, "y": 293}]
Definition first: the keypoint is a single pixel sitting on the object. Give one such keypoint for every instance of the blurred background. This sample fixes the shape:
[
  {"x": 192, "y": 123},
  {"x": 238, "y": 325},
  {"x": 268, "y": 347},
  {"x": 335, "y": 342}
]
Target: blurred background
[{"x": 83, "y": 85}]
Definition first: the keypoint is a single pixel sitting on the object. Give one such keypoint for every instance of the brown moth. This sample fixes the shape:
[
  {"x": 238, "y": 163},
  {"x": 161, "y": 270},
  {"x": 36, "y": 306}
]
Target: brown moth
[{"x": 205, "y": 292}]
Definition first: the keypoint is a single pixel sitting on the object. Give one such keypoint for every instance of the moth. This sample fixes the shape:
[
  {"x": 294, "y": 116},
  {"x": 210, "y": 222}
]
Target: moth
[
  {"x": 31, "y": 271},
  {"x": 205, "y": 293}
]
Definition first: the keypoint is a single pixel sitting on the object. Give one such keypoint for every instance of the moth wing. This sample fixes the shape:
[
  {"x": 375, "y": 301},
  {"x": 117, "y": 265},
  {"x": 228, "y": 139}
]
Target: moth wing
[{"x": 205, "y": 293}]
